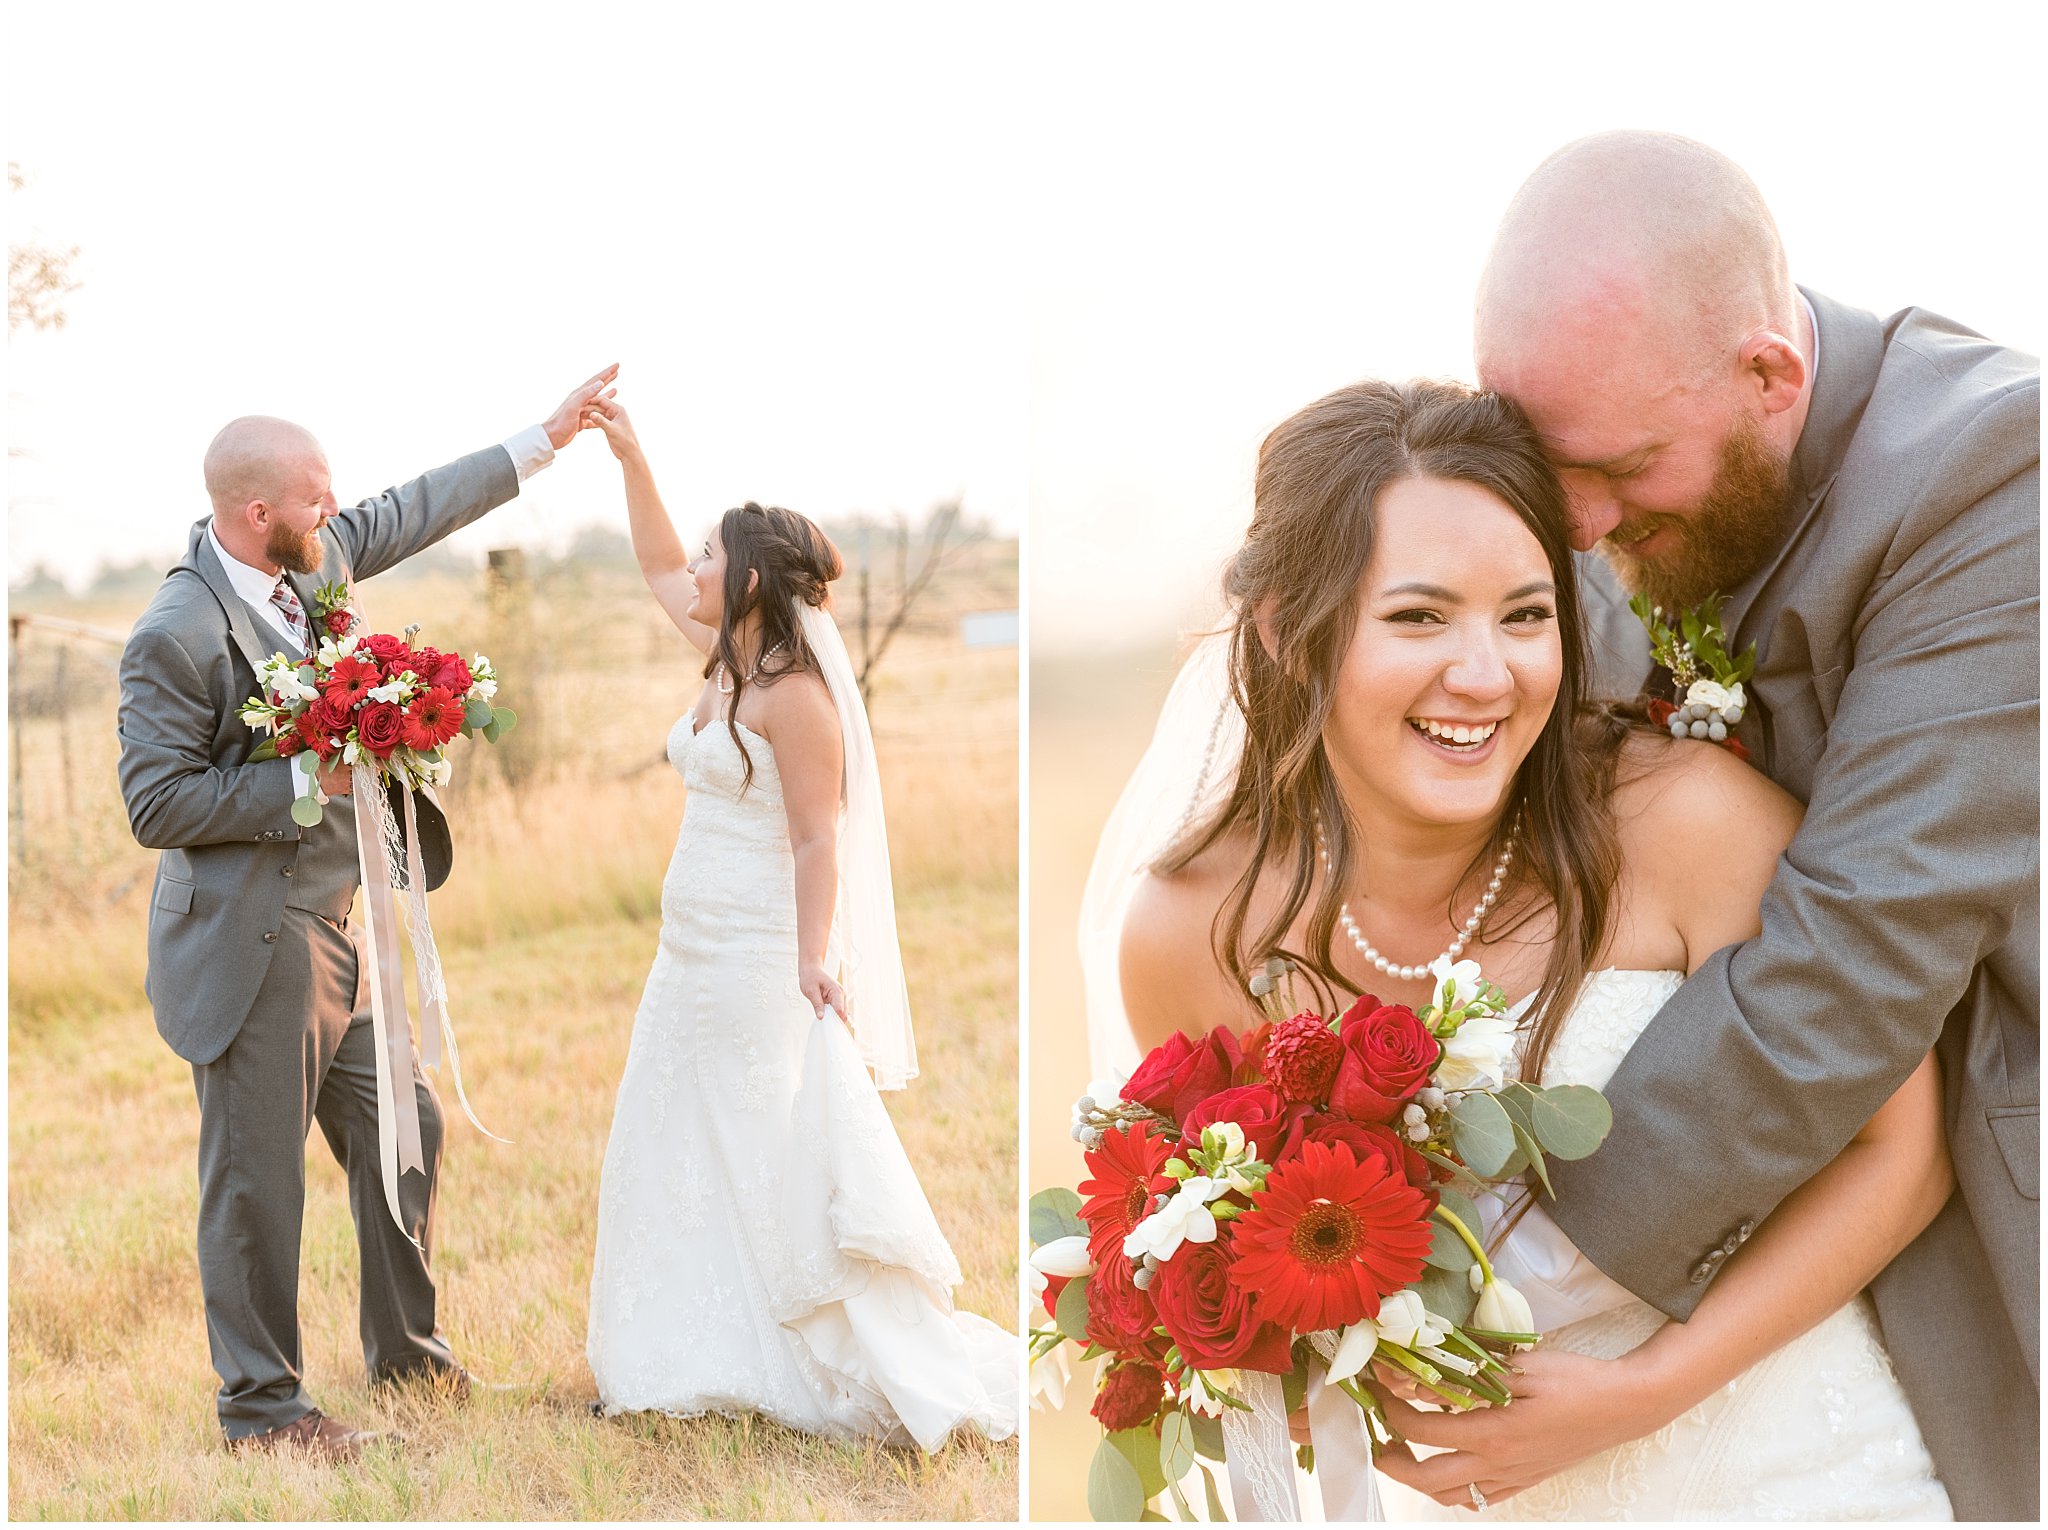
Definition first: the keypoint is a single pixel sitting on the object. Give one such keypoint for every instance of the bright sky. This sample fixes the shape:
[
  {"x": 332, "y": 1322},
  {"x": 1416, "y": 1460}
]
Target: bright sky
[
  {"x": 1258, "y": 213},
  {"x": 412, "y": 228},
  {"x": 867, "y": 257}
]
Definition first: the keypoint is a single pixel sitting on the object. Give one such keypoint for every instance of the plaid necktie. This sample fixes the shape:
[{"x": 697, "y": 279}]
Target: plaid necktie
[{"x": 294, "y": 614}]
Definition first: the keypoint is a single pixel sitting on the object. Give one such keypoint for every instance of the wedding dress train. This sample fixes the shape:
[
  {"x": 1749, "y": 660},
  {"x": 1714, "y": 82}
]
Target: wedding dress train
[{"x": 763, "y": 1244}]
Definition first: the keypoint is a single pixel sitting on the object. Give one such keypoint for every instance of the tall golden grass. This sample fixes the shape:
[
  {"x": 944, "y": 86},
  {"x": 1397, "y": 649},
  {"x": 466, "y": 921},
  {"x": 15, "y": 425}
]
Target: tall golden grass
[{"x": 547, "y": 928}]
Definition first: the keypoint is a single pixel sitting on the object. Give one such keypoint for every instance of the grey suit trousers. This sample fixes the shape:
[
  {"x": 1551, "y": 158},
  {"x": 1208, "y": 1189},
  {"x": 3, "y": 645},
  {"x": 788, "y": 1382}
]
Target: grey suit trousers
[{"x": 305, "y": 1053}]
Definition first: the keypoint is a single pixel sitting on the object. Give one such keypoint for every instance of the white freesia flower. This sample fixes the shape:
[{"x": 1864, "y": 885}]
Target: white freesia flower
[
  {"x": 1194, "y": 1390},
  {"x": 1462, "y": 976},
  {"x": 1403, "y": 1320},
  {"x": 1065, "y": 1257},
  {"x": 1185, "y": 1218},
  {"x": 1230, "y": 1135},
  {"x": 1477, "y": 1056},
  {"x": 286, "y": 683},
  {"x": 350, "y": 752},
  {"x": 439, "y": 772},
  {"x": 1050, "y": 1373},
  {"x": 397, "y": 690},
  {"x": 1708, "y": 693},
  {"x": 1502, "y": 1309},
  {"x": 1355, "y": 1349}
]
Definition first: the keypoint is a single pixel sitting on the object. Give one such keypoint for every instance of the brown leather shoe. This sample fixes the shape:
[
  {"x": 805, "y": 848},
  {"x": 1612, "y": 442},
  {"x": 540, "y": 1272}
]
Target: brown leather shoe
[{"x": 314, "y": 1435}]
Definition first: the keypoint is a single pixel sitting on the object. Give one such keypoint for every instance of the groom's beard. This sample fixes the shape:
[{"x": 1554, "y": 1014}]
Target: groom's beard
[
  {"x": 298, "y": 551},
  {"x": 1725, "y": 540}
]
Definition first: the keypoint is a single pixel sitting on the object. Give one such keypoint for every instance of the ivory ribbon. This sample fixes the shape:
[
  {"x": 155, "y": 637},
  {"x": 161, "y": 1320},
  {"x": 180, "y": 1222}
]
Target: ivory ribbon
[
  {"x": 1259, "y": 1455},
  {"x": 398, "y": 1110},
  {"x": 398, "y": 1116}
]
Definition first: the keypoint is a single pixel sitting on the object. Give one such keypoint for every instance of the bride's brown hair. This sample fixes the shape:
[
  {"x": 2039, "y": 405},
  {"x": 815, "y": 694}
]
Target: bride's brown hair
[
  {"x": 1298, "y": 577},
  {"x": 774, "y": 559}
]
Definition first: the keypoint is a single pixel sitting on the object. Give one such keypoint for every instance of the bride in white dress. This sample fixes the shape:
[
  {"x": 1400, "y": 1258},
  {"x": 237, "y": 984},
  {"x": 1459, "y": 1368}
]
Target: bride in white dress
[
  {"x": 1396, "y": 705},
  {"x": 762, "y": 1244}
]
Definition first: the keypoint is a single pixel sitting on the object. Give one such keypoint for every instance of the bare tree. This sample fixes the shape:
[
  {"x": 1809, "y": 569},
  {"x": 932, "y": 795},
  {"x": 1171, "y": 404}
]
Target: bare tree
[
  {"x": 943, "y": 535},
  {"x": 38, "y": 276}
]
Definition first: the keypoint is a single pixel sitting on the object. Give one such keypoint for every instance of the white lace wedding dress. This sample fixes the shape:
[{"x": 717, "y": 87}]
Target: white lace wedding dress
[
  {"x": 1819, "y": 1430},
  {"x": 762, "y": 1244}
]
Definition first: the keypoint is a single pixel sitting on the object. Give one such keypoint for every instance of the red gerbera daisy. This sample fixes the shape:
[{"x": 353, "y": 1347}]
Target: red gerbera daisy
[
  {"x": 1126, "y": 1177},
  {"x": 433, "y": 718},
  {"x": 1329, "y": 1237},
  {"x": 351, "y": 679}
]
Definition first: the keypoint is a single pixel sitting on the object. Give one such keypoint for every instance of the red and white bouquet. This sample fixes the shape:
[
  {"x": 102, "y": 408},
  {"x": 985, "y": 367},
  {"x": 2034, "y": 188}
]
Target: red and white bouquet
[
  {"x": 374, "y": 699},
  {"x": 1287, "y": 1202}
]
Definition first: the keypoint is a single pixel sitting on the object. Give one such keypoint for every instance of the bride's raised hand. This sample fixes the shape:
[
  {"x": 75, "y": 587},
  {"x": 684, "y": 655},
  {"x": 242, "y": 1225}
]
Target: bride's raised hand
[
  {"x": 821, "y": 989},
  {"x": 607, "y": 414}
]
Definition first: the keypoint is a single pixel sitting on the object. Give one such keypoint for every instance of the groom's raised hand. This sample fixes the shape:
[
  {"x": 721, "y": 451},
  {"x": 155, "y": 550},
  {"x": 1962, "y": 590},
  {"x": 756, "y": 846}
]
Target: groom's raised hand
[{"x": 572, "y": 416}]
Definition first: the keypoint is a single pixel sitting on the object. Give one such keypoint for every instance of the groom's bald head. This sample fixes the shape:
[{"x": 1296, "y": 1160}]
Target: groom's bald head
[
  {"x": 254, "y": 457},
  {"x": 1637, "y": 304}
]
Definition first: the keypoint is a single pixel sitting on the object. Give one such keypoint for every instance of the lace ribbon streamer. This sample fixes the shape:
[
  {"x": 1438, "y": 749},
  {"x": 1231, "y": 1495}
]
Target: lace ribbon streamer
[
  {"x": 390, "y": 865},
  {"x": 1259, "y": 1455}
]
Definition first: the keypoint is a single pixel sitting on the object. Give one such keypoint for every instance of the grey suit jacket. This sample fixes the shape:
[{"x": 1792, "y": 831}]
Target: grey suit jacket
[
  {"x": 1897, "y": 693},
  {"x": 223, "y": 823}
]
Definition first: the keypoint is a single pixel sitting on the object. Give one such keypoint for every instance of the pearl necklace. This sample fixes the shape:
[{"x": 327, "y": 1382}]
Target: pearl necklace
[
  {"x": 1471, "y": 927},
  {"x": 725, "y": 677}
]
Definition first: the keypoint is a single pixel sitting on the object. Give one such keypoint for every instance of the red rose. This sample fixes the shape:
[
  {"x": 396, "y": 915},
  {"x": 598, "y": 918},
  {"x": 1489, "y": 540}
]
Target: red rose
[
  {"x": 433, "y": 718},
  {"x": 450, "y": 672},
  {"x": 1120, "y": 1316},
  {"x": 1214, "y": 1320},
  {"x": 289, "y": 743},
  {"x": 1129, "y": 1395},
  {"x": 1179, "y": 1074},
  {"x": 386, "y": 649},
  {"x": 1269, "y": 1122},
  {"x": 339, "y": 622},
  {"x": 1301, "y": 1057},
  {"x": 1388, "y": 1055},
  {"x": 1367, "y": 1138},
  {"x": 379, "y": 726},
  {"x": 331, "y": 715}
]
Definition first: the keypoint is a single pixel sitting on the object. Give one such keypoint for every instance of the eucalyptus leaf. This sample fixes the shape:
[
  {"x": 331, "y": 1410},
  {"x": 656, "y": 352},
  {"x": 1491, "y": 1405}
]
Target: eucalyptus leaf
[
  {"x": 1208, "y": 1434},
  {"x": 476, "y": 712},
  {"x": 1528, "y": 1149},
  {"x": 306, "y": 811},
  {"x": 1518, "y": 1161},
  {"x": 1216, "y": 1514},
  {"x": 1180, "y": 1503},
  {"x": 1114, "y": 1492},
  {"x": 1176, "y": 1446},
  {"x": 1056, "y": 1213},
  {"x": 1570, "y": 1120},
  {"x": 506, "y": 719},
  {"x": 1516, "y": 1101},
  {"x": 1071, "y": 1315},
  {"x": 265, "y": 750},
  {"x": 1447, "y": 1251},
  {"x": 1482, "y": 1133},
  {"x": 1448, "y": 1295},
  {"x": 492, "y": 730},
  {"x": 1140, "y": 1447}
]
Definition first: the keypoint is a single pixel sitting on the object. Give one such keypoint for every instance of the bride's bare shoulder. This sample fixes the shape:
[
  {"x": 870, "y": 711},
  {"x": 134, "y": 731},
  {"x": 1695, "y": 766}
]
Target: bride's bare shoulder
[{"x": 1171, "y": 977}]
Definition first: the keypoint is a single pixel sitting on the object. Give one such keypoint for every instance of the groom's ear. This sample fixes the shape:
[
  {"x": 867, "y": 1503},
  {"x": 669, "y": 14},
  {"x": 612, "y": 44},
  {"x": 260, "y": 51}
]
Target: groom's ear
[{"x": 1775, "y": 368}]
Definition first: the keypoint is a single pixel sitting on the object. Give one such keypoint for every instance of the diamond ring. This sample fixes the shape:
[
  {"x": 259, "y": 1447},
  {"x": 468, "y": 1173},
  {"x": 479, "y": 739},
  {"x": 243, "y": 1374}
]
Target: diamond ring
[{"x": 1478, "y": 1498}]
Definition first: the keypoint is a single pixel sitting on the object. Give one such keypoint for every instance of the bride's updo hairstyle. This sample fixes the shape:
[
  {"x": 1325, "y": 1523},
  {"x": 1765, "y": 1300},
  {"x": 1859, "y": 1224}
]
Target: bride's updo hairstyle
[
  {"x": 795, "y": 563},
  {"x": 1298, "y": 575}
]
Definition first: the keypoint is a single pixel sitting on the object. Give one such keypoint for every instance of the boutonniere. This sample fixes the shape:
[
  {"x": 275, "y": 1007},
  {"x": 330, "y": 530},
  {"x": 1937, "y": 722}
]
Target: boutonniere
[
  {"x": 1707, "y": 682},
  {"x": 331, "y": 609}
]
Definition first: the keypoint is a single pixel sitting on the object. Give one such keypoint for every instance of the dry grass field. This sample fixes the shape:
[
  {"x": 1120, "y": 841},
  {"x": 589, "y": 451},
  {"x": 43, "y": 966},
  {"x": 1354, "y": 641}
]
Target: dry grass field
[
  {"x": 547, "y": 928},
  {"x": 1090, "y": 720}
]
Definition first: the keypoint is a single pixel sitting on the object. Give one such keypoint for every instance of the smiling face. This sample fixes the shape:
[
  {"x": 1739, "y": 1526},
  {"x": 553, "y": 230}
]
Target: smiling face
[
  {"x": 1456, "y": 661},
  {"x": 708, "y": 571},
  {"x": 303, "y": 502}
]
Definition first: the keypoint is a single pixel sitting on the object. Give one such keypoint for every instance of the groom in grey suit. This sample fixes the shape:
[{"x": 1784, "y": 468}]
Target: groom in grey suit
[
  {"x": 1866, "y": 494},
  {"x": 258, "y": 978}
]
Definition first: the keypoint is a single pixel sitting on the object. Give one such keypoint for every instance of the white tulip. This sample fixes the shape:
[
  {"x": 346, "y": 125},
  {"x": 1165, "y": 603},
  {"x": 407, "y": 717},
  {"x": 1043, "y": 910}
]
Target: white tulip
[
  {"x": 1502, "y": 1309},
  {"x": 1065, "y": 1257},
  {"x": 1355, "y": 1349},
  {"x": 1050, "y": 1374},
  {"x": 1403, "y": 1320}
]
